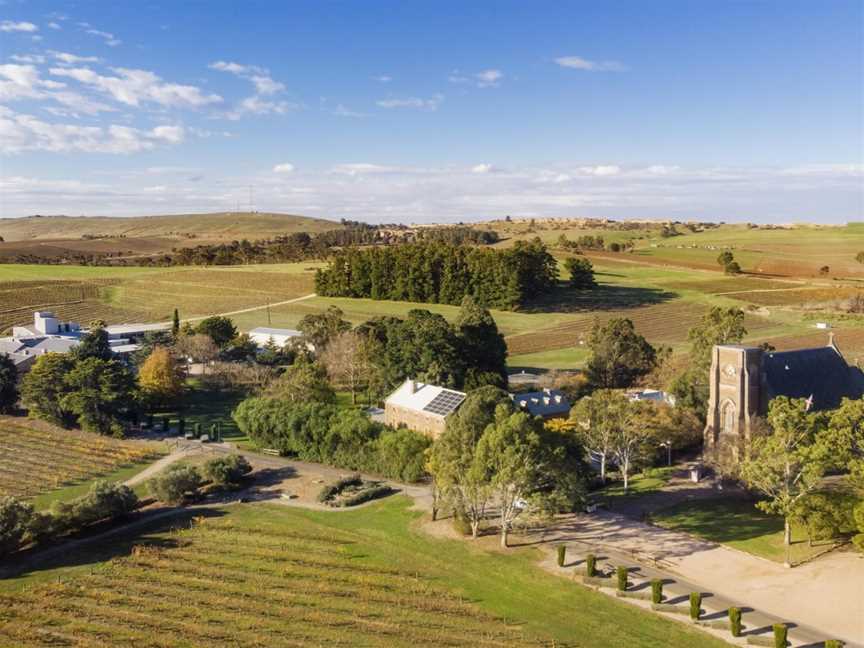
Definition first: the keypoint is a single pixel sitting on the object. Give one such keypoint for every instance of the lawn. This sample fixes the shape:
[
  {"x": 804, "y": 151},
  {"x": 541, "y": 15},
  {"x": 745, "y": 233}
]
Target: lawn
[
  {"x": 247, "y": 575},
  {"x": 644, "y": 483},
  {"x": 736, "y": 523}
]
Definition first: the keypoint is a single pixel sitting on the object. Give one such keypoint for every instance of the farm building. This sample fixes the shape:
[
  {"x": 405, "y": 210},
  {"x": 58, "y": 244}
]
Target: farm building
[
  {"x": 548, "y": 403},
  {"x": 743, "y": 380},
  {"x": 280, "y": 337},
  {"x": 48, "y": 334},
  {"x": 421, "y": 407},
  {"x": 654, "y": 395}
]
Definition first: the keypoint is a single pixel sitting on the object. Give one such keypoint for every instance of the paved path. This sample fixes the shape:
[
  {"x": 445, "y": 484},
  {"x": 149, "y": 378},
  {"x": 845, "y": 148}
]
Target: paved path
[{"x": 824, "y": 597}]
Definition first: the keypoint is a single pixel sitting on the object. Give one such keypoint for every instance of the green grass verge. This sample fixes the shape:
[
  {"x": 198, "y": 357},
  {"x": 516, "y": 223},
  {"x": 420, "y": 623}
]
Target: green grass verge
[
  {"x": 509, "y": 585},
  {"x": 737, "y": 523},
  {"x": 46, "y": 500}
]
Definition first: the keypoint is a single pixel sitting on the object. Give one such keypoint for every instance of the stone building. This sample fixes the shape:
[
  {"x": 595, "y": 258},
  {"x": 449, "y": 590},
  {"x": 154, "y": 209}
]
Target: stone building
[
  {"x": 421, "y": 407},
  {"x": 743, "y": 380}
]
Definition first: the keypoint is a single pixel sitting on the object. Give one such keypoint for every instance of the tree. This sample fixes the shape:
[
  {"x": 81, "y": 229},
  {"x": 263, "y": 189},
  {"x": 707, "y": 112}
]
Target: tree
[
  {"x": 197, "y": 347},
  {"x": 581, "y": 273},
  {"x": 508, "y": 456},
  {"x": 718, "y": 326},
  {"x": 619, "y": 355},
  {"x": 732, "y": 268},
  {"x": 319, "y": 329},
  {"x": 304, "y": 382},
  {"x": 15, "y": 519},
  {"x": 630, "y": 440},
  {"x": 597, "y": 419},
  {"x": 94, "y": 344},
  {"x": 226, "y": 470},
  {"x": 458, "y": 479},
  {"x": 725, "y": 258},
  {"x": 159, "y": 377},
  {"x": 8, "y": 385},
  {"x": 43, "y": 387},
  {"x": 98, "y": 392},
  {"x": 348, "y": 362},
  {"x": 483, "y": 348},
  {"x": 788, "y": 464},
  {"x": 175, "y": 483},
  {"x": 860, "y": 257},
  {"x": 220, "y": 329},
  {"x": 175, "y": 324}
]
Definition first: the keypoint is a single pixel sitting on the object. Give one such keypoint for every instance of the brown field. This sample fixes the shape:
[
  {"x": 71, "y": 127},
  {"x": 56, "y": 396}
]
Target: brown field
[
  {"x": 850, "y": 341},
  {"x": 797, "y": 296},
  {"x": 660, "y": 324}
]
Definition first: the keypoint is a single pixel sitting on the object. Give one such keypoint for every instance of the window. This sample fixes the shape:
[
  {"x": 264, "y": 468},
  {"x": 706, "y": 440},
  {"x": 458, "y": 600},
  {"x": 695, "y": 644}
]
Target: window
[{"x": 727, "y": 417}]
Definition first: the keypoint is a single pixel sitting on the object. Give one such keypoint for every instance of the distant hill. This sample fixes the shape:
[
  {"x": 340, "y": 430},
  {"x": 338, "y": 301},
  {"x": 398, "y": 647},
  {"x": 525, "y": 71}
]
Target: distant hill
[{"x": 223, "y": 226}]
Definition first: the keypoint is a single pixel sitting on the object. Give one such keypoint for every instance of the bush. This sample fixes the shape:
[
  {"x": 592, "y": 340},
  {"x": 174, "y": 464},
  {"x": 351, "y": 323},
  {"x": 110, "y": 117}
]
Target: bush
[
  {"x": 621, "y": 573},
  {"x": 366, "y": 495},
  {"x": 332, "y": 490},
  {"x": 401, "y": 454},
  {"x": 735, "y": 621},
  {"x": 590, "y": 565},
  {"x": 226, "y": 470},
  {"x": 104, "y": 501},
  {"x": 695, "y": 605},
  {"x": 15, "y": 520},
  {"x": 656, "y": 591},
  {"x": 562, "y": 554},
  {"x": 834, "y": 643},
  {"x": 175, "y": 483},
  {"x": 780, "y": 632}
]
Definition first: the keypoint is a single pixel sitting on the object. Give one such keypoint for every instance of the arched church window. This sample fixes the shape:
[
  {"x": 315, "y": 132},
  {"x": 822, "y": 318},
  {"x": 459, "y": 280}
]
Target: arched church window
[{"x": 727, "y": 417}]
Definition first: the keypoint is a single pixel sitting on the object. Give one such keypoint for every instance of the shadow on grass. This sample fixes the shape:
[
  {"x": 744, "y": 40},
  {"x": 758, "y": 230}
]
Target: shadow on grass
[{"x": 604, "y": 297}]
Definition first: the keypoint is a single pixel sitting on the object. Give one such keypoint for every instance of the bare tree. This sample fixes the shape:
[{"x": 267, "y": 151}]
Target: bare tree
[
  {"x": 197, "y": 348},
  {"x": 347, "y": 359}
]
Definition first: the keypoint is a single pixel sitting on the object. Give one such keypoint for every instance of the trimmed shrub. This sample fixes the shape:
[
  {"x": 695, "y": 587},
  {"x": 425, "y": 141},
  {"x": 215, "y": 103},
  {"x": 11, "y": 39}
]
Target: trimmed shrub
[
  {"x": 591, "y": 565},
  {"x": 695, "y": 605},
  {"x": 366, "y": 495},
  {"x": 780, "y": 632},
  {"x": 621, "y": 573},
  {"x": 834, "y": 643},
  {"x": 332, "y": 490},
  {"x": 562, "y": 554},
  {"x": 656, "y": 591},
  {"x": 175, "y": 483},
  {"x": 735, "y": 621}
]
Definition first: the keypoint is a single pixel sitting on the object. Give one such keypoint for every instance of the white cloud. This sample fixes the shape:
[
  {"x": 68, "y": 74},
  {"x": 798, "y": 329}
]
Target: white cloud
[
  {"x": 482, "y": 168},
  {"x": 109, "y": 38},
  {"x": 382, "y": 78},
  {"x": 65, "y": 57},
  {"x": 285, "y": 167},
  {"x": 134, "y": 87},
  {"x": 254, "y": 105},
  {"x": 362, "y": 168},
  {"x": 22, "y": 82},
  {"x": 600, "y": 170},
  {"x": 342, "y": 111},
  {"x": 10, "y": 26},
  {"x": 484, "y": 79},
  {"x": 579, "y": 63},
  {"x": 265, "y": 86},
  {"x": 54, "y": 25},
  {"x": 20, "y": 132},
  {"x": 430, "y": 104},
  {"x": 28, "y": 58}
]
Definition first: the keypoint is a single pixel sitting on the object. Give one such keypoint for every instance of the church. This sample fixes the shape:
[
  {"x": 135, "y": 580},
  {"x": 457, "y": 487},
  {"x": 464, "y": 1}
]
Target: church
[{"x": 744, "y": 379}]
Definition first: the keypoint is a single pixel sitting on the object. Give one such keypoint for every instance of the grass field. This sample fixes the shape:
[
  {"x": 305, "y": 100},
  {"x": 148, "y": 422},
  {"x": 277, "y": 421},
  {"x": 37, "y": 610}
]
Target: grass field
[
  {"x": 738, "y": 524},
  {"x": 266, "y": 574},
  {"x": 40, "y": 460}
]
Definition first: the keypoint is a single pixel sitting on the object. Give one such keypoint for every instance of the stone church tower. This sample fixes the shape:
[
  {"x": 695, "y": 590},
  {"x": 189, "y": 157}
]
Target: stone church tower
[
  {"x": 735, "y": 382},
  {"x": 743, "y": 380}
]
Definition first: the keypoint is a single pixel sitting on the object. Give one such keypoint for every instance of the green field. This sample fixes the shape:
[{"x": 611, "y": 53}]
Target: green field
[
  {"x": 247, "y": 575},
  {"x": 651, "y": 286},
  {"x": 739, "y": 524}
]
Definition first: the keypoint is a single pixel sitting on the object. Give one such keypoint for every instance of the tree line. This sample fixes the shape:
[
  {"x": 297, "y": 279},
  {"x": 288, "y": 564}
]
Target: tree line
[{"x": 435, "y": 272}]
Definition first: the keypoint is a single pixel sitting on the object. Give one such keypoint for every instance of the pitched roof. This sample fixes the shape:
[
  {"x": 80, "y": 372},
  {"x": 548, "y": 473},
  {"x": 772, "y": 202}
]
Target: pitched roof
[
  {"x": 821, "y": 373},
  {"x": 433, "y": 400}
]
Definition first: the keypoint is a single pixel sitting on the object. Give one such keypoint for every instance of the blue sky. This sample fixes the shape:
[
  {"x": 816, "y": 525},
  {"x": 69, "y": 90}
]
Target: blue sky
[{"x": 409, "y": 111}]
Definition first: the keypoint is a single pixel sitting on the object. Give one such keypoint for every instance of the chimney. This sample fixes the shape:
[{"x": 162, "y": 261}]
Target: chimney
[
  {"x": 831, "y": 339},
  {"x": 412, "y": 386}
]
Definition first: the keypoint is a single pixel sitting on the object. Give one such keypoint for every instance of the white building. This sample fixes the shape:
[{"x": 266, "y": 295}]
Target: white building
[{"x": 264, "y": 335}]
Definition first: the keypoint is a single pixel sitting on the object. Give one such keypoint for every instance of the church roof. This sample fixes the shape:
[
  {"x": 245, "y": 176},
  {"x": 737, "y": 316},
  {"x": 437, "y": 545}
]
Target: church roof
[{"x": 821, "y": 373}]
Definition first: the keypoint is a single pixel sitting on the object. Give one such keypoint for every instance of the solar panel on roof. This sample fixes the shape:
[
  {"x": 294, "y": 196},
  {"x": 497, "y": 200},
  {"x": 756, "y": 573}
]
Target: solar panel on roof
[{"x": 444, "y": 403}]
